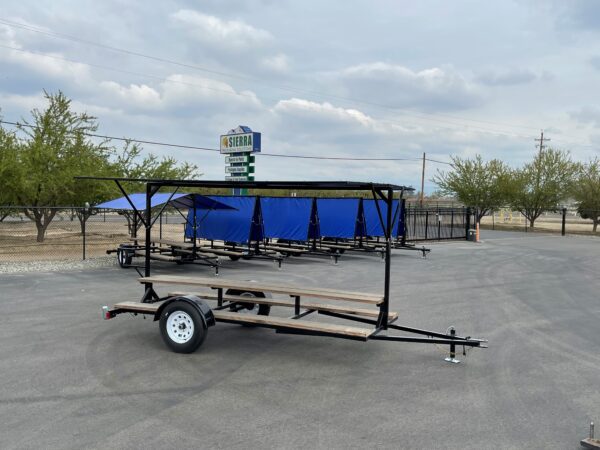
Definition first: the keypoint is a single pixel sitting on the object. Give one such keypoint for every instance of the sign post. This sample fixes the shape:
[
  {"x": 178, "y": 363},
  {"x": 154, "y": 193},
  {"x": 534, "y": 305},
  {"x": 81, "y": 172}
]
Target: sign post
[{"x": 239, "y": 144}]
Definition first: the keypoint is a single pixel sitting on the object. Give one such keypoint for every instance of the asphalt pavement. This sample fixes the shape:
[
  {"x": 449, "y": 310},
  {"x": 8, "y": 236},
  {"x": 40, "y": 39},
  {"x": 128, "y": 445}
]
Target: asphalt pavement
[{"x": 71, "y": 380}]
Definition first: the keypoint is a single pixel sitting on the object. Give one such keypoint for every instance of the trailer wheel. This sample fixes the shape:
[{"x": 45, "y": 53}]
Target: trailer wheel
[
  {"x": 124, "y": 257},
  {"x": 249, "y": 308},
  {"x": 182, "y": 327}
]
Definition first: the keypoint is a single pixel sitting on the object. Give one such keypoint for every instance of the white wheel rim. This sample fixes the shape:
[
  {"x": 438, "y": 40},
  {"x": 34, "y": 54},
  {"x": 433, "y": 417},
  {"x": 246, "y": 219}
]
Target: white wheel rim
[
  {"x": 120, "y": 257},
  {"x": 180, "y": 327}
]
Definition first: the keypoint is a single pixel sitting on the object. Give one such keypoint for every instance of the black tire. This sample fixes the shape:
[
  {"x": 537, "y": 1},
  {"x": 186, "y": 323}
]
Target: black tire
[
  {"x": 250, "y": 307},
  {"x": 234, "y": 258},
  {"x": 120, "y": 257},
  {"x": 181, "y": 316},
  {"x": 124, "y": 257}
]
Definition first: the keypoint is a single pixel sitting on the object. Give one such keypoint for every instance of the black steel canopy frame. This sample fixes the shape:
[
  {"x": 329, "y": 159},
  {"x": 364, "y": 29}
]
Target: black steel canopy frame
[{"x": 380, "y": 191}]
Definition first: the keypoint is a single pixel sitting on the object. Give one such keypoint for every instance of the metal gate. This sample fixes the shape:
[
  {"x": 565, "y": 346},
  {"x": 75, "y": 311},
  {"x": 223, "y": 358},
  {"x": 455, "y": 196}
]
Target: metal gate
[{"x": 433, "y": 224}]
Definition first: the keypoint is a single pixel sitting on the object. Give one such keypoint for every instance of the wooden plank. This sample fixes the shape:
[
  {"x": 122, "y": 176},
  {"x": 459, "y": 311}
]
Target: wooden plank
[
  {"x": 219, "y": 251},
  {"x": 332, "y": 294},
  {"x": 175, "y": 244},
  {"x": 137, "y": 306},
  {"x": 285, "y": 249},
  {"x": 590, "y": 443},
  {"x": 160, "y": 256},
  {"x": 374, "y": 313},
  {"x": 260, "y": 320},
  {"x": 293, "y": 324}
]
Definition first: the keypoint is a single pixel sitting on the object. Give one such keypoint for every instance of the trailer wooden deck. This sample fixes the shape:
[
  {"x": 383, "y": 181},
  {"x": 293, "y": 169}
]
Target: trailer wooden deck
[
  {"x": 265, "y": 321},
  {"x": 364, "y": 312},
  {"x": 293, "y": 291}
]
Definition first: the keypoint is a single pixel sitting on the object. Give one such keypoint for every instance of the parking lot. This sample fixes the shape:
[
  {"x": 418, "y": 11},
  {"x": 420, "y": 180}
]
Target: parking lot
[{"x": 72, "y": 380}]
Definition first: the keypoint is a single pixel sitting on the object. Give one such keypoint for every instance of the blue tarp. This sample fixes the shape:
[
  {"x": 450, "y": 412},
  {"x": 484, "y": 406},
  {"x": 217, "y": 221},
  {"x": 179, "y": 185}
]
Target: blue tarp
[
  {"x": 401, "y": 225},
  {"x": 373, "y": 224},
  {"x": 288, "y": 218},
  {"x": 179, "y": 200},
  {"x": 240, "y": 224},
  {"x": 339, "y": 217}
]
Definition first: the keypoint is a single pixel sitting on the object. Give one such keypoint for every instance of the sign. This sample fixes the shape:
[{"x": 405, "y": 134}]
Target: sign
[
  {"x": 240, "y": 140},
  {"x": 236, "y": 169},
  {"x": 240, "y": 178},
  {"x": 239, "y": 144},
  {"x": 236, "y": 159}
]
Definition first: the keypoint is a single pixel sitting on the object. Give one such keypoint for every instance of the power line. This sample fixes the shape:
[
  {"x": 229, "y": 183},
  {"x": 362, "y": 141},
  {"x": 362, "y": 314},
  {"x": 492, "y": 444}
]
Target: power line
[
  {"x": 194, "y": 147},
  {"x": 423, "y": 115},
  {"x": 203, "y": 86},
  {"x": 127, "y": 72}
]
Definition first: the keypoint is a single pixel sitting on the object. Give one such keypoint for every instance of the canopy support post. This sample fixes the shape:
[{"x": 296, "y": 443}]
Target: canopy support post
[{"x": 383, "y": 319}]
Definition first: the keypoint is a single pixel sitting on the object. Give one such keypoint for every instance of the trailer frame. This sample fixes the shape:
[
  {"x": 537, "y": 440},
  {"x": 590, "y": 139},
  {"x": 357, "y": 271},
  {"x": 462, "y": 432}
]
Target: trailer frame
[{"x": 381, "y": 324}]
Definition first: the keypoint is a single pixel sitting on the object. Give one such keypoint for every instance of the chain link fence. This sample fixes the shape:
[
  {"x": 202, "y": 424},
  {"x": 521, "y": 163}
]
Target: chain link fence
[
  {"x": 69, "y": 237},
  {"x": 563, "y": 221}
]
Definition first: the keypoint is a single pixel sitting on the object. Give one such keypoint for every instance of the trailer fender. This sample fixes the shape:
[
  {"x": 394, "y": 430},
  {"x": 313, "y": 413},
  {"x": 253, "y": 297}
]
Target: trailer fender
[{"x": 205, "y": 312}]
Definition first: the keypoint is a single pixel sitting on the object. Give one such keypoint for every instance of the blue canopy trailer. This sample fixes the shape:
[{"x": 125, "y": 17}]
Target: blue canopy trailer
[
  {"x": 184, "y": 318},
  {"x": 236, "y": 232},
  {"x": 292, "y": 226},
  {"x": 162, "y": 249}
]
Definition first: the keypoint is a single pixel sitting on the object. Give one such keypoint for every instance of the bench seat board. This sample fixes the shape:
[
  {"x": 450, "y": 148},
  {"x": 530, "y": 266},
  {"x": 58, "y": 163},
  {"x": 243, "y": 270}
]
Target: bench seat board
[
  {"x": 332, "y": 294},
  {"x": 294, "y": 324},
  {"x": 261, "y": 320},
  {"x": 175, "y": 244},
  {"x": 159, "y": 256},
  {"x": 285, "y": 249},
  {"x": 374, "y": 313},
  {"x": 220, "y": 251}
]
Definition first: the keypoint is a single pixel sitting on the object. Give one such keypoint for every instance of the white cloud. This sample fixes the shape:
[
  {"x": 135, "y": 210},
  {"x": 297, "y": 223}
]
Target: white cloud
[
  {"x": 180, "y": 94},
  {"x": 507, "y": 77},
  {"x": 322, "y": 112},
  {"x": 141, "y": 96},
  {"x": 233, "y": 34},
  {"x": 587, "y": 115},
  {"x": 277, "y": 63},
  {"x": 398, "y": 86},
  {"x": 53, "y": 65}
]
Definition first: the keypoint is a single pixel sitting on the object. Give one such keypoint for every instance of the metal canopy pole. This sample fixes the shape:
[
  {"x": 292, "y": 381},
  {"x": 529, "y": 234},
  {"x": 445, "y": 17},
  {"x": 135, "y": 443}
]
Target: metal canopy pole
[
  {"x": 388, "y": 260},
  {"x": 148, "y": 228}
]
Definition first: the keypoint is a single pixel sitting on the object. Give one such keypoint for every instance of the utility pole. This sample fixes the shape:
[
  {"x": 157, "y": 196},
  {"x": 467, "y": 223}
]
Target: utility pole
[
  {"x": 541, "y": 141},
  {"x": 423, "y": 180}
]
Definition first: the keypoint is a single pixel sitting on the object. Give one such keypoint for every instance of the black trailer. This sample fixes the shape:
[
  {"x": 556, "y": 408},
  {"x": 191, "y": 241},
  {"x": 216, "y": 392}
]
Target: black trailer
[{"x": 184, "y": 317}]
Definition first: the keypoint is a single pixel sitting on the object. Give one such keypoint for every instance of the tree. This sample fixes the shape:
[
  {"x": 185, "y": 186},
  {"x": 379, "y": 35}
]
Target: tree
[
  {"x": 56, "y": 149},
  {"x": 479, "y": 184},
  {"x": 542, "y": 184},
  {"x": 586, "y": 191},
  {"x": 130, "y": 164},
  {"x": 9, "y": 172}
]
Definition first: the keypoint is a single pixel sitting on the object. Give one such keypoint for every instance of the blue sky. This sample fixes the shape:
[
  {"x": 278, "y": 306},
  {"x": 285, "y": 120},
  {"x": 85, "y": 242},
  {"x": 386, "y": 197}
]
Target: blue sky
[{"x": 359, "y": 78}]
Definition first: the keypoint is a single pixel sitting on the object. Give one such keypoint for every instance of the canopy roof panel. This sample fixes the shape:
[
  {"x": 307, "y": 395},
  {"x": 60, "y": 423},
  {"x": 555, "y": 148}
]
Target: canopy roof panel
[
  {"x": 325, "y": 185},
  {"x": 179, "y": 200}
]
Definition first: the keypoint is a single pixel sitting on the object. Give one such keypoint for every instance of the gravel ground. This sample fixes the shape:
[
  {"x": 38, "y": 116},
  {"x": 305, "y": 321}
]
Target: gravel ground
[{"x": 57, "y": 266}]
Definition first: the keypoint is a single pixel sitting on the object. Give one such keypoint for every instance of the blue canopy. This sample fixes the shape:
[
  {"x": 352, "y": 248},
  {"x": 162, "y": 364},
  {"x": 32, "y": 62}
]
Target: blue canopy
[
  {"x": 289, "y": 218},
  {"x": 339, "y": 217},
  {"x": 373, "y": 224},
  {"x": 240, "y": 223},
  {"x": 179, "y": 200}
]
